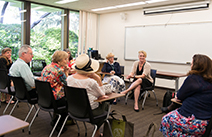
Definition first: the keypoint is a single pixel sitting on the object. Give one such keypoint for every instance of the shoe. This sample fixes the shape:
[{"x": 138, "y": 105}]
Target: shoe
[
  {"x": 136, "y": 110},
  {"x": 165, "y": 110},
  {"x": 70, "y": 122},
  {"x": 114, "y": 103}
]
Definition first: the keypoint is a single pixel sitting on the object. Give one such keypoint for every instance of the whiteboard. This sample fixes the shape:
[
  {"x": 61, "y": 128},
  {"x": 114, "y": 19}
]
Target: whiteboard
[{"x": 170, "y": 43}]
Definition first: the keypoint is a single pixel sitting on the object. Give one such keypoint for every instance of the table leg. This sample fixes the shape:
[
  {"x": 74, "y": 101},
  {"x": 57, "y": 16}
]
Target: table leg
[{"x": 176, "y": 84}]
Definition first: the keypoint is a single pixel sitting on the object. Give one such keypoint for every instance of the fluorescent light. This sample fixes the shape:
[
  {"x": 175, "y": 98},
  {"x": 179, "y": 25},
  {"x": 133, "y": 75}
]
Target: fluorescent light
[
  {"x": 63, "y": 14},
  {"x": 22, "y": 11},
  {"x": 130, "y": 4},
  {"x": 65, "y": 1},
  {"x": 106, "y": 8},
  {"x": 154, "y": 1},
  {"x": 36, "y": 8},
  {"x": 119, "y": 6},
  {"x": 23, "y": 20}
]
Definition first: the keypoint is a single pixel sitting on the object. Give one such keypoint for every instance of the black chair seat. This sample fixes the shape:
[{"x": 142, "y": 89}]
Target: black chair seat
[
  {"x": 80, "y": 109},
  {"x": 144, "y": 91},
  {"x": 22, "y": 95},
  {"x": 46, "y": 102},
  {"x": 5, "y": 87}
]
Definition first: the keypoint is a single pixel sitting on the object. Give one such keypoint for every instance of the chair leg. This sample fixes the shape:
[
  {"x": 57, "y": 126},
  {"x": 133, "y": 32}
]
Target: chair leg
[
  {"x": 111, "y": 133},
  {"x": 85, "y": 128},
  {"x": 36, "y": 113},
  {"x": 63, "y": 125},
  {"x": 128, "y": 93},
  {"x": 155, "y": 97},
  {"x": 55, "y": 125},
  {"x": 14, "y": 107},
  {"x": 29, "y": 112},
  {"x": 8, "y": 105},
  {"x": 95, "y": 129},
  {"x": 144, "y": 99},
  {"x": 78, "y": 128}
]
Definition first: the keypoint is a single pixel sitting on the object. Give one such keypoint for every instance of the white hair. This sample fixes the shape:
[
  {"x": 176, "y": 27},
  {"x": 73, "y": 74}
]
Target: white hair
[{"x": 24, "y": 48}]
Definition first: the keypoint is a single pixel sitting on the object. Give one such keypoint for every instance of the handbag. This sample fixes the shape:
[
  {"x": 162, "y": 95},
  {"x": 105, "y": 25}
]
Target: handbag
[
  {"x": 151, "y": 126},
  {"x": 120, "y": 127}
]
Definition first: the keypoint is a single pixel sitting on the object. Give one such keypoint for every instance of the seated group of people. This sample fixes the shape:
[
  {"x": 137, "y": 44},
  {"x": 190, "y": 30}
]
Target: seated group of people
[{"x": 195, "y": 93}]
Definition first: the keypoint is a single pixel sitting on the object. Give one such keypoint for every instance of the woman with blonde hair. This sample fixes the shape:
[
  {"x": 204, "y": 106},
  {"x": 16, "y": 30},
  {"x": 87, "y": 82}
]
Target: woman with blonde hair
[
  {"x": 141, "y": 73},
  {"x": 112, "y": 67}
]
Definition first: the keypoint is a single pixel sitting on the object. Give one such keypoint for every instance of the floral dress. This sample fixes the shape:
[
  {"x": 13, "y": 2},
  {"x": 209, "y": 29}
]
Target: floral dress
[{"x": 57, "y": 78}]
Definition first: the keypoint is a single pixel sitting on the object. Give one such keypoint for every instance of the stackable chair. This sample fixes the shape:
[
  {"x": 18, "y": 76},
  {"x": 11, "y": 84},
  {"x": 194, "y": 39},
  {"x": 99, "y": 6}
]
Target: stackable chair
[
  {"x": 46, "y": 102},
  {"x": 80, "y": 109},
  {"x": 37, "y": 66},
  {"x": 5, "y": 87},
  {"x": 144, "y": 91},
  {"x": 22, "y": 95},
  {"x": 208, "y": 129}
]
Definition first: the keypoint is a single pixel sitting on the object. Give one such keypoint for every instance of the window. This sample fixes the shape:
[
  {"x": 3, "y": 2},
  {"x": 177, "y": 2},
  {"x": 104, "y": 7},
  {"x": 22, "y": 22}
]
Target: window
[{"x": 10, "y": 26}]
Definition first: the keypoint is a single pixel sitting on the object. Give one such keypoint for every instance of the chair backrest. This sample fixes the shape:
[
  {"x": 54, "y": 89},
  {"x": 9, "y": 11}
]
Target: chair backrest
[
  {"x": 153, "y": 75},
  {"x": 208, "y": 129},
  {"x": 4, "y": 80},
  {"x": 38, "y": 64},
  {"x": 45, "y": 94},
  {"x": 78, "y": 102},
  {"x": 20, "y": 87},
  {"x": 122, "y": 69}
]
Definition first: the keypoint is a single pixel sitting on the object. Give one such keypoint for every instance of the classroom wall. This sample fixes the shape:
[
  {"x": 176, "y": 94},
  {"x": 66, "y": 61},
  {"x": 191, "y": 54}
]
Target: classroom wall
[{"x": 111, "y": 36}]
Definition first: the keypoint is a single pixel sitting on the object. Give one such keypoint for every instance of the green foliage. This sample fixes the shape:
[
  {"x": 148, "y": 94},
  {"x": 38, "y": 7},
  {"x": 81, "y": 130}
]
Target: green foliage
[
  {"x": 10, "y": 36},
  {"x": 44, "y": 43}
]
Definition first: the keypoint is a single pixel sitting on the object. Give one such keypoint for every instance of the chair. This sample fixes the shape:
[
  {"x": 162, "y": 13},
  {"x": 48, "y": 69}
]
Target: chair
[
  {"x": 46, "y": 102},
  {"x": 37, "y": 66},
  {"x": 80, "y": 109},
  {"x": 5, "y": 87},
  {"x": 122, "y": 72},
  {"x": 144, "y": 91},
  {"x": 22, "y": 95},
  {"x": 208, "y": 129}
]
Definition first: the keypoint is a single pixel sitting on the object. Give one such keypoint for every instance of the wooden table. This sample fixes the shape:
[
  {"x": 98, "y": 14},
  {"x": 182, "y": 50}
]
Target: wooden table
[
  {"x": 110, "y": 96},
  {"x": 175, "y": 101},
  {"x": 171, "y": 76},
  {"x": 9, "y": 124}
]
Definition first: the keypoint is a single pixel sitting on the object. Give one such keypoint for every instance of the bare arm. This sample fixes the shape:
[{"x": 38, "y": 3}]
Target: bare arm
[{"x": 96, "y": 77}]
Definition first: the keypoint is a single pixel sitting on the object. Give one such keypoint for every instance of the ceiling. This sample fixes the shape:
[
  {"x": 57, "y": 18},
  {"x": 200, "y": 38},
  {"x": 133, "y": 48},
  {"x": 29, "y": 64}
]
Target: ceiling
[{"x": 88, "y": 5}]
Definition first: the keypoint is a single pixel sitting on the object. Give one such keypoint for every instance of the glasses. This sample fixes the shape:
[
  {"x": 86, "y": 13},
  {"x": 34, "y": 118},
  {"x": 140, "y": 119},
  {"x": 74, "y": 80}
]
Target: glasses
[{"x": 29, "y": 53}]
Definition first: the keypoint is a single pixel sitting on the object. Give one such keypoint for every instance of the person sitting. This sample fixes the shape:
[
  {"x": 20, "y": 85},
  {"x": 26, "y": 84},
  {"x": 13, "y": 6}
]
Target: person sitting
[
  {"x": 56, "y": 74},
  {"x": 142, "y": 78},
  {"x": 195, "y": 94},
  {"x": 112, "y": 67},
  {"x": 5, "y": 64},
  {"x": 88, "y": 79},
  {"x": 20, "y": 68}
]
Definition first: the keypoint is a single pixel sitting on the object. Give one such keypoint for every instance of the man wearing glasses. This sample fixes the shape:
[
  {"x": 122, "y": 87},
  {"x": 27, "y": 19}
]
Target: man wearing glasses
[{"x": 20, "y": 68}]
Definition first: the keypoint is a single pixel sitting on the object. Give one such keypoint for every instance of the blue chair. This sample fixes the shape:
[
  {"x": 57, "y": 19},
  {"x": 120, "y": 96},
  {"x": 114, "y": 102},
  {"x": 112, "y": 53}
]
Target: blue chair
[{"x": 145, "y": 91}]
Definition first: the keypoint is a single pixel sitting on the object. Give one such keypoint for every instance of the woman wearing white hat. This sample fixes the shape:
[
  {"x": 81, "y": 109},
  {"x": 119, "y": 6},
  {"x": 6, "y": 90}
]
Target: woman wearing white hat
[{"x": 87, "y": 78}]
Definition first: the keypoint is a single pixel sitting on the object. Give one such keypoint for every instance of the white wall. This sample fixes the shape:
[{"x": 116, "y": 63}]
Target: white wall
[{"x": 111, "y": 36}]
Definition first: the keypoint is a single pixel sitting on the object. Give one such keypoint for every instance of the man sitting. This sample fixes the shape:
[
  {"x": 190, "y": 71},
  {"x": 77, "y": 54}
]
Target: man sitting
[{"x": 20, "y": 68}]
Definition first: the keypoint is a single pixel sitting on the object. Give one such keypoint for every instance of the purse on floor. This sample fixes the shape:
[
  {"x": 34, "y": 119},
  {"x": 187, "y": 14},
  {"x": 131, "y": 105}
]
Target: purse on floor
[
  {"x": 151, "y": 126},
  {"x": 120, "y": 127}
]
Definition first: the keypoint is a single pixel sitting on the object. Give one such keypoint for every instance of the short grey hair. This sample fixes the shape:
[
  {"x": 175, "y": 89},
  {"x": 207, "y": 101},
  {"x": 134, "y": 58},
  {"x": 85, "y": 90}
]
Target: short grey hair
[{"x": 24, "y": 48}]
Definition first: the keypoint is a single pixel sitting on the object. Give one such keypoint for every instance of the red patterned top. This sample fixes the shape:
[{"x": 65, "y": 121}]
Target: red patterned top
[{"x": 57, "y": 78}]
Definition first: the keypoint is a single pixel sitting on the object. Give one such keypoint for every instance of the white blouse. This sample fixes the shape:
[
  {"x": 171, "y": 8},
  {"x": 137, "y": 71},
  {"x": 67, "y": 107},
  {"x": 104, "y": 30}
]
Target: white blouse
[{"x": 93, "y": 89}]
